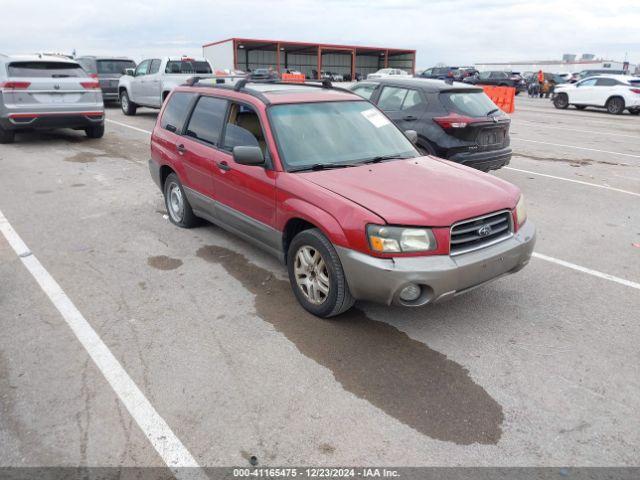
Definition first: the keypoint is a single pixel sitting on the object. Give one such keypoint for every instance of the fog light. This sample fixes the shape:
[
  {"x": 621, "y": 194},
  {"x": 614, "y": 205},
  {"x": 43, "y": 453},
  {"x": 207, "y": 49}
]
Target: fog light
[{"x": 410, "y": 293}]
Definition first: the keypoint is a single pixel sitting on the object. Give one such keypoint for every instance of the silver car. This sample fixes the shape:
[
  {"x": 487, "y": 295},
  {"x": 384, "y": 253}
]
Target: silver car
[{"x": 44, "y": 92}]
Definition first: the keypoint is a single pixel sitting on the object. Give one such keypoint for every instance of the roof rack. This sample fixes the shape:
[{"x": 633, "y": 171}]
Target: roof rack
[{"x": 241, "y": 85}]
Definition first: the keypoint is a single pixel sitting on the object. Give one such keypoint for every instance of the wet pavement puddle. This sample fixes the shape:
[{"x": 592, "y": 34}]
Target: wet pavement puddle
[{"x": 375, "y": 361}]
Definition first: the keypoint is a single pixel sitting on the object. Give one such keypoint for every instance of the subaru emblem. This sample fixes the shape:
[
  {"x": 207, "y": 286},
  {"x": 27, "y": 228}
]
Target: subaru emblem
[{"x": 485, "y": 230}]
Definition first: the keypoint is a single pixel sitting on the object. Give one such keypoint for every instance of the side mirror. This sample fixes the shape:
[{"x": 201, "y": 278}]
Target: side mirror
[
  {"x": 129, "y": 71},
  {"x": 248, "y": 155},
  {"x": 412, "y": 135}
]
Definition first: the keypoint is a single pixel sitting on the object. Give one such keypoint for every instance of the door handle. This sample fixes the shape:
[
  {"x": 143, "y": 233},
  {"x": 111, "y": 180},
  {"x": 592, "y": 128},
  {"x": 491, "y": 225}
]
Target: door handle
[
  {"x": 223, "y": 165},
  {"x": 181, "y": 149},
  {"x": 410, "y": 118}
]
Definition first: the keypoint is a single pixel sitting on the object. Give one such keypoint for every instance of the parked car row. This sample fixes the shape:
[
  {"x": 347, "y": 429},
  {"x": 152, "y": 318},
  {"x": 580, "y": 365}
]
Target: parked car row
[{"x": 325, "y": 181}]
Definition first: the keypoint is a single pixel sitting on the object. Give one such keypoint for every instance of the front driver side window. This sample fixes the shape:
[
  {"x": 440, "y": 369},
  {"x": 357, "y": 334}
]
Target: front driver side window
[
  {"x": 143, "y": 68},
  {"x": 484, "y": 75},
  {"x": 243, "y": 129}
]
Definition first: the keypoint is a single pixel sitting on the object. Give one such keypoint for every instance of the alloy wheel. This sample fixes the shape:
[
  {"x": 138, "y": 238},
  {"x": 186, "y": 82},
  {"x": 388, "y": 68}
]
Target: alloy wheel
[{"x": 312, "y": 275}]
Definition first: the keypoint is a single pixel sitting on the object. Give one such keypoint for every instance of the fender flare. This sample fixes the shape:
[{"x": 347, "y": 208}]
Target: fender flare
[{"x": 330, "y": 227}]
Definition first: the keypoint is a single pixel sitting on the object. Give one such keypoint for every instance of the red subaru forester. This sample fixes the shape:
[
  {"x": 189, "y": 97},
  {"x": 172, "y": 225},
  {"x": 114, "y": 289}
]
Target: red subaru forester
[{"x": 322, "y": 179}]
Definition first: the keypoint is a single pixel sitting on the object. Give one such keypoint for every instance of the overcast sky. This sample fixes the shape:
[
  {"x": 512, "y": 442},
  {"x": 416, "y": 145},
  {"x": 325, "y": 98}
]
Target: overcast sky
[{"x": 454, "y": 32}]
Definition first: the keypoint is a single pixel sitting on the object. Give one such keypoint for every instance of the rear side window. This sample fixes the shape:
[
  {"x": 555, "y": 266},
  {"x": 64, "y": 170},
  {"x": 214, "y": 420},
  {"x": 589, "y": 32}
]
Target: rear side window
[
  {"x": 114, "y": 66},
  {"x": 45, "y": 69},
  {"x": 207, "y": 119},
  {"x": 155, "y": 66},
  {"x": 413, "y": 99},
  {"x": 607, "y": 82},
  {"x": 87, "y": 64},
  {"x": 175, "y": 112},
  {"x": 472, "y": 104},
  {"x": 187, "y": 66},
  {"x": 391, "y": 98}
]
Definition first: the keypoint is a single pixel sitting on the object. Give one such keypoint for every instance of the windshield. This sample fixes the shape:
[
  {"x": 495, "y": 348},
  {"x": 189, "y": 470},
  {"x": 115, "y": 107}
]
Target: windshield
[
  {"x": 187, "y": 66},
  {"x": 114, "y": 66},
  {"x": 329, "y": 133},
  {"x": 473, "y": 104}
]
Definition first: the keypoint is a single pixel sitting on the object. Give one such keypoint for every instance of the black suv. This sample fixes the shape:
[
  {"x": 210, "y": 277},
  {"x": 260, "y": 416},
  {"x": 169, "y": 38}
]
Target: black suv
[
  {"x": 108, "y": 71},
  {"x": 453, "y": 120},
  {"x": 500, "y": 79}
]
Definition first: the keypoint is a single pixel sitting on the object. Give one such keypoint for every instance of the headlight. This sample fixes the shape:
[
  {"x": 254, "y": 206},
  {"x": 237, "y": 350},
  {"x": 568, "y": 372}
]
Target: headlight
[
  {"x": 521, "y": 211},
  {"x": 384, "y": 239}
]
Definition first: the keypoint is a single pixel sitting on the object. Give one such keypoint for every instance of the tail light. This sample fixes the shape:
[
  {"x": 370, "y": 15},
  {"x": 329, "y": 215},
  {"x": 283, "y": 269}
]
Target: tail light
[
  {"x": 14, "y": 85},
  {"x": 635, "y": 90},
  {"x": 93, "y": 75},
  {"x": 90, "y": 85},
  {"x": 454, "y": 121}
]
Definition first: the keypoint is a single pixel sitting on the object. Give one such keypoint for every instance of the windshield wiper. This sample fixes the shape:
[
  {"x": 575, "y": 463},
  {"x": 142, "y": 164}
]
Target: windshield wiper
[
  {"x": 382, "y": 158},
  {"x": 492, "y": 111},
  {"x": 323, "y": 166}
]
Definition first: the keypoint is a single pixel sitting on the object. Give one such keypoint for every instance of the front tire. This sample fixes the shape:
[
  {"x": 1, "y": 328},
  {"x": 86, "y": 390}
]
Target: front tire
[
  {"x": 96, "y": 131},
  {"x": 178, "y": 208},
  {"x": 316, "y": 275},
  {"x": 128, "y": 107},
  {"x": 615, "y": 105},
  {"x": 7, "y": 136},
  {"x": 561, "y": 101}
]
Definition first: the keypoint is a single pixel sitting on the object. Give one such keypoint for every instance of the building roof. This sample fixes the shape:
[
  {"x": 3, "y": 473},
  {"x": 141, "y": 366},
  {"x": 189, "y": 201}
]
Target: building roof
[
  {"x": 258, "y": 43},
  {"x": 550, "y": 62}
]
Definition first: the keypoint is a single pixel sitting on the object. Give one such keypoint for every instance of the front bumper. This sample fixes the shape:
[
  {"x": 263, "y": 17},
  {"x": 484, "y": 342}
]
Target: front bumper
[
  {"x": 485, "y": 161},
  {"x": 440, "y": 276}
]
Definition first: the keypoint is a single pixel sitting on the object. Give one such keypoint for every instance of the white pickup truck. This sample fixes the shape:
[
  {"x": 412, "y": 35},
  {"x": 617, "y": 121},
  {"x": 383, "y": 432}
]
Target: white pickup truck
[{"x": 152, "y": 80}]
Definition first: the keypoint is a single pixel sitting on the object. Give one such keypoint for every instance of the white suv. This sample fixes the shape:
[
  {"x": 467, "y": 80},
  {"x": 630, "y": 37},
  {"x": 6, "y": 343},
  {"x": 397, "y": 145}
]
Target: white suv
[{"x": 616, "y": 93}]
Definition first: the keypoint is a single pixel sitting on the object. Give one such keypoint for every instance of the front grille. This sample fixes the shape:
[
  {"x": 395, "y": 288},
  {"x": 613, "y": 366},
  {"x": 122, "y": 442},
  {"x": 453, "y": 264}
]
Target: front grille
[{"x": 481, "y": 232}]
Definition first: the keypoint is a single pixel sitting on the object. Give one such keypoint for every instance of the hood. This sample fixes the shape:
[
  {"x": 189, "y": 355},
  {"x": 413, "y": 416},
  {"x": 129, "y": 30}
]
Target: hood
[{"x": 424, "y": 191}]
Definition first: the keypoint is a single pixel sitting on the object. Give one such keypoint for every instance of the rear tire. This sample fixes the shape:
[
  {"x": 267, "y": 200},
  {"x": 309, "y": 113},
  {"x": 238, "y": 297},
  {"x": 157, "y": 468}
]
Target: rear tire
[
  {"x": 96, "y": 131},
  {"x": 178, "y": 208},
  {"x": 561, "y": 101},
  {"x": 7, "y": 136},
  {"x": 316, "y": 275},
  {"x": 128, "y": 107},
  {"x": 615, "y": 105}
]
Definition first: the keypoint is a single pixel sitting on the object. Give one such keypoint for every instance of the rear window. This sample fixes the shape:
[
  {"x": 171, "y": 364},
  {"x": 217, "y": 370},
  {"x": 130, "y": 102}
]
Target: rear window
[
  {"x": 472, "y": 104},
  {"x": 635, "y": 83},
  {"x": 45, "y": 69},
  {"x": 188, "y": 66},
  {"x": 207, "y": 120},
  {"x": 176, "y": 111},
  {"x": 114, "y": 66}
]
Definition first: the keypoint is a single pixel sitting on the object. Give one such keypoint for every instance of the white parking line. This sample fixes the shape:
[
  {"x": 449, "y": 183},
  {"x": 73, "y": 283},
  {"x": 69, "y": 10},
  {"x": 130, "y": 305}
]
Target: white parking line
[
  {"x": 574, "y": 147},
  {"x": 560, "y": 127},
  {"x": 588, "y": 271},
  {"x": 128, "y": 126},
  {"x": 168, "y": 446},
  {"x": 605, "y": 187}
]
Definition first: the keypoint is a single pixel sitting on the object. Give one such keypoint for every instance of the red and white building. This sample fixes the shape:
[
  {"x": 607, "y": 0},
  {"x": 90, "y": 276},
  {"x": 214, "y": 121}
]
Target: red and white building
[{"x": 309, "y": 58}]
